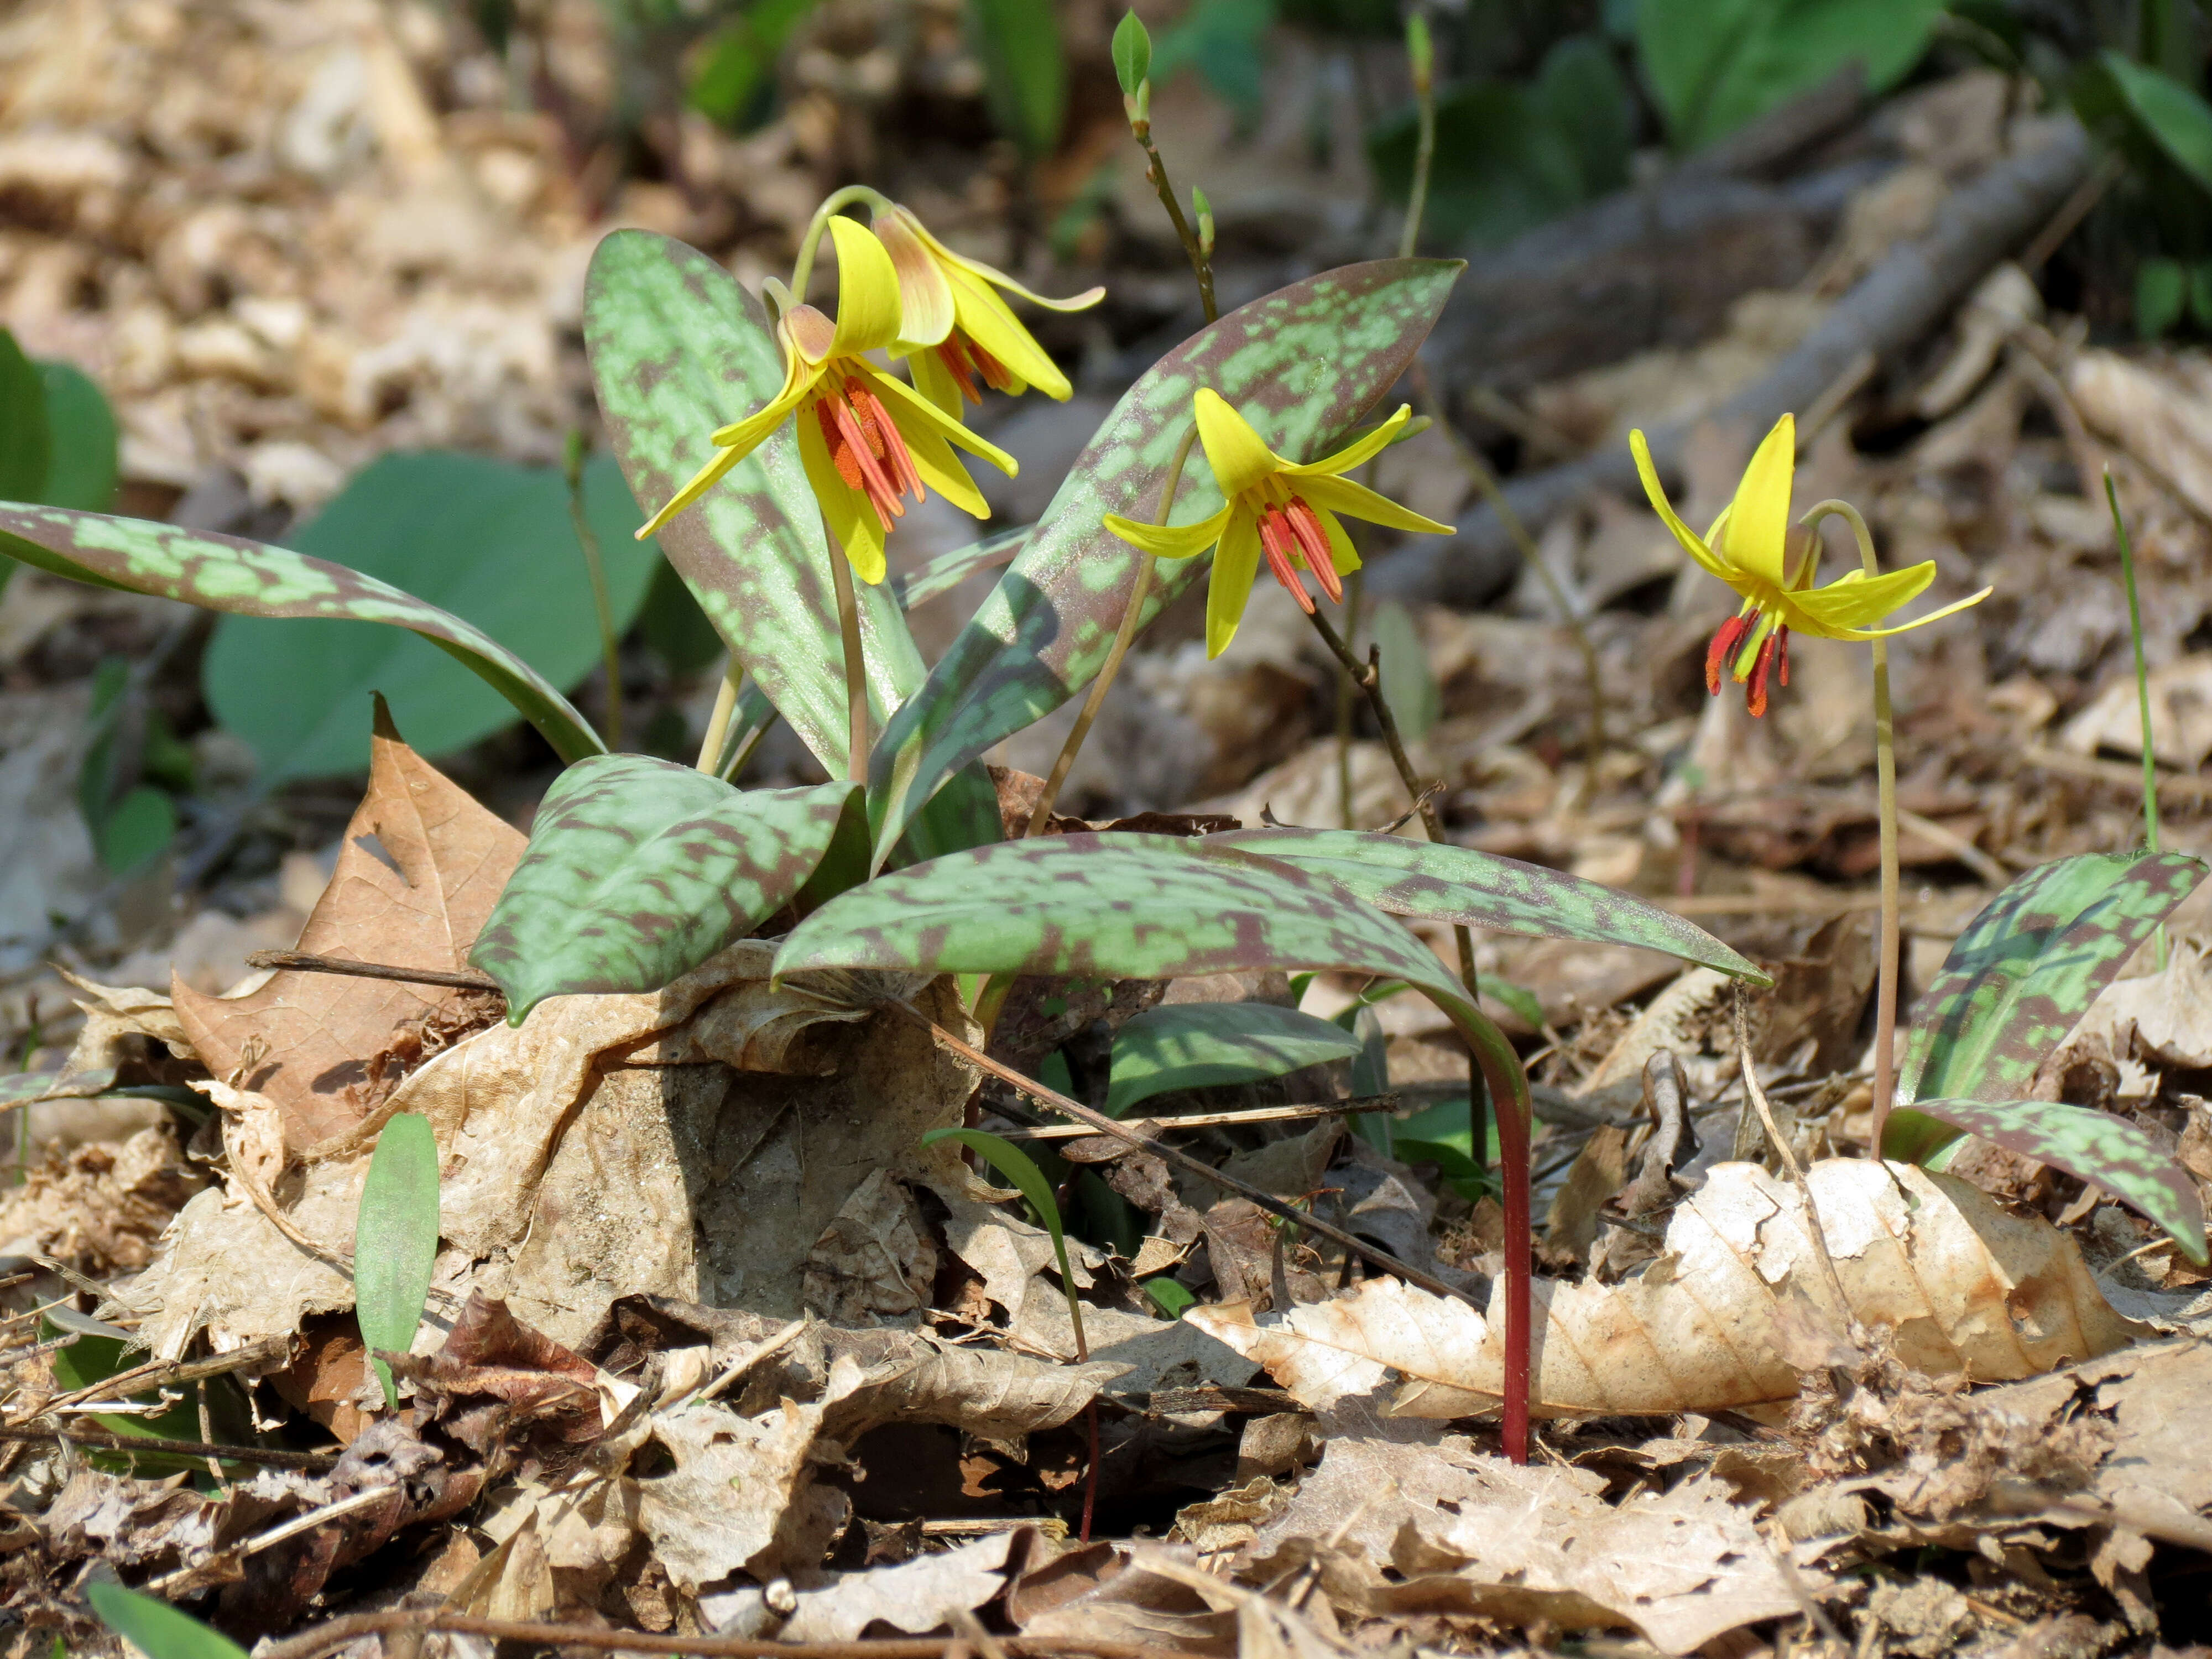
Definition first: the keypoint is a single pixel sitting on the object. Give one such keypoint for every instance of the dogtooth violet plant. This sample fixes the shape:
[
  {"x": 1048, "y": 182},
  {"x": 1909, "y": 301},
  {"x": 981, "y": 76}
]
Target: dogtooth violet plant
[
  {"x": 638, "y": 869},
  {"x": 2031, "y": 963}
]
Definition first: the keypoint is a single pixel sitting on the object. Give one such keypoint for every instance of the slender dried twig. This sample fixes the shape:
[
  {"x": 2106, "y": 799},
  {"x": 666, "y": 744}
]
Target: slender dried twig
[
  {"x": 168, "y": 1373},
  {"x": 337, "y": 1632},
  {"x": 1355, "y": 1107},
  {"x": 338, "y": 1509},
  {"x": 101, "y": 1440},
  {"x": 302, "y": 961}
]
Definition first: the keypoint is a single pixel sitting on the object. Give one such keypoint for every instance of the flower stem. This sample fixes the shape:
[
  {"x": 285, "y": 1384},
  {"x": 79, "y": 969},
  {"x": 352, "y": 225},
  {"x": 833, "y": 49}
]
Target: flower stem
[
  {"x": 1132, "y": 615},
  {"x": 572, "y": 467},
  {"x": 1885, "y": 765},
  {"x": 2142, "y": 686},
  {"x": 1201, "y": 261},
  {"x": 802, "y": 272},
  {"x": 1420, "y": 56},
  {"x": 1354, "y": 591},
  {"x": 718, "y": 723},
  {"x": 856, "y": 666}
]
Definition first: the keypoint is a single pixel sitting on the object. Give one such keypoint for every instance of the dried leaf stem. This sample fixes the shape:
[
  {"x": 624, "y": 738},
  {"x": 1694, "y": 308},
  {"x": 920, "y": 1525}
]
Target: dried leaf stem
[
  {"x": 1885, "y": 772},
  {"x": 2142, "y": 685},
  {"x": 856, "y": 663},
  {"x": 101, "y": 1440},
  {"x": 1132, "y": 615},
  {"x": 339, "y": 1633}
]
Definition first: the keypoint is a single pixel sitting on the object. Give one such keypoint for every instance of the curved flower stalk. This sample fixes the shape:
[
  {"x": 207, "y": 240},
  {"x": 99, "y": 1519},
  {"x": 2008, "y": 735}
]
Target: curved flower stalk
[
  {"x": 956, "y": 328},
  {"x": 868, "y": 441},
  {"x": 1288, "y": 512},
  {"x": 1752, "y": 548}
]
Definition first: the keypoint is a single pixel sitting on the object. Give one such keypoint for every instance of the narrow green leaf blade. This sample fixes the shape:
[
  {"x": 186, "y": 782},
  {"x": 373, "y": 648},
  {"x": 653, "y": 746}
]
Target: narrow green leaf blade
[
  {"x": 395, "y": 1240},
  {"x": 1304, "y": 364},
  {"x": 156, "y": 1629},
  {"x": 638, "y": 871},
  {"x": 2029, "y": 966},
  {"x": 1024, "y": 70},
  {"x": 1432, "y": 882},
  {"x": 2176, "y": 117},
  {"x": 679, "y": 349},
  {"x": 26, "y": 441},
  {"x": 82, "y": 466},
  {"x": 1109, "y": 907},
  {"x": 2095, "y": 1146},
  {"x": 248, "y": 578},
  {"x": 1016, "y": 1166},
  {"x": 1195, "y": 1045}
]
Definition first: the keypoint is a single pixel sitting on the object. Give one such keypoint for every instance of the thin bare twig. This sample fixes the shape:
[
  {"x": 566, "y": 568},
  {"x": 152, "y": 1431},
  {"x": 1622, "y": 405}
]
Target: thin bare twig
[
  {"x": 327, "y": 1638},
  {"x": 302, "y": 961},
  {"x": 1152, "y": 1125},
  {"x": 101, "y": 1440}
]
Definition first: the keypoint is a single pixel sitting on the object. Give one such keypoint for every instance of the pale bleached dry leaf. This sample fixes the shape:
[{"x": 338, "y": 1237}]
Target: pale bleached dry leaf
[
  {"x": 1972, "y": 1291},
  {"x": 916, "y": 1597},
  {"x": 422, "y": 866},
  {"x": 739, "y": 1494},
  {"x": 1152, "y": 1354},
  {"x": 977, "y": 1390},
  {"x": 1472, "y": 1533},
  {"x": 2164, "y": 1018},
  {"x": 1100, "y": 1594},
  {"x": 875, "y": 1263},
  {"x": 2159, "y": 418},
  {"x": 114, "y": 1011},
  {"x": 2180, "y": 714}
]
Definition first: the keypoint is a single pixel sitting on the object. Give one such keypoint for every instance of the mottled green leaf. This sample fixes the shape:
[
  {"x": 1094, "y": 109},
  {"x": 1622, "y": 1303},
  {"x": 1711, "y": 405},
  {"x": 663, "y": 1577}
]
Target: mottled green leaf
[
  {"x": 1304, "y": 364},
  {"x": 2029, "y": 966},
  {"x": 677, "y": 348},
  {"x": 2096, "y": 1146},
  {"x": 395, "y": 1240},
  {"x": 638, "y": 871},
  {"x": 1109, "y": 907},
  {"x": 489, "y": 542},
  {"x": 1432, "y": 882},
  {"x": 1195, "y": 1045},
  {"x": 227, "y": 573},
  {"x": 154, "y": 1628},
  {"x": 939, "y": 576}
]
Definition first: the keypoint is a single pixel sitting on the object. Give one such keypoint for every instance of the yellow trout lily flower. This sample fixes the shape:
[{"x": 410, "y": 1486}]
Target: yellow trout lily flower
[
  {"x": 1286, "y": 511},
  {"x": 1750, "y": 548},
  {"x": 957, "y": 328},
  {"x": 867, "y": 440}
]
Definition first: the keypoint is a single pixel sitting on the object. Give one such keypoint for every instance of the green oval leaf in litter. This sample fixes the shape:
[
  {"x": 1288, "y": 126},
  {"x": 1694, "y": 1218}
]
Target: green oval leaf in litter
[
  {"x": 2029, "y": 965},
  {"x": 1432, "y": 882},
  {"x": 1304, "y": 364},
  {"x": 679, "y": 349},
  {"x": 395, "y": 1241},
  {"x": 156, "y": 1629},
  {"x": 490, "y": 542},
  {"x": 639, "y": 870},
  {"x": 1195, "y": 1045},
  {"x": 2096, "y": 1146},
  {"x": 227, "y": 573}
]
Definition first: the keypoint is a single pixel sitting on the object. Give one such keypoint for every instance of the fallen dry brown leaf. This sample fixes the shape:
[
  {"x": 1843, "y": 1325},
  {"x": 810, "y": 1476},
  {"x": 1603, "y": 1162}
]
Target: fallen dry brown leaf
[
  {"x": 1969, "y": 1289},
  {"x": 421, "y": 865}
]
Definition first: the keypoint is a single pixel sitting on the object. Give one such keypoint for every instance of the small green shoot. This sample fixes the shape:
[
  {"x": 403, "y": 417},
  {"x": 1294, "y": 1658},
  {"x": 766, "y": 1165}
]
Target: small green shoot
[
  {"x": 1012, "y": 1162},
  {"x": 156, "y": 1629},
  {"x": 395, "y": 1242},
  {"x": 2142, "y": 686}
]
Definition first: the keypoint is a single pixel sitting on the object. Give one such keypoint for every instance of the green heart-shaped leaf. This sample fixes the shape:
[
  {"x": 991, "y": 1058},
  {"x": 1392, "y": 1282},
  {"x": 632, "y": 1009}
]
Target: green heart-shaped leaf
[
  {"x": 638, "y": 871},
  {"x": 679, "y": 349},
  {"x": 1302, "y": 364},
  {"x": 1433, "y": 883},
  {"x": 2027, "y": 968},
  {"x": 1195, "y": 1045},
  {"x": 247, "y": 579},
  {"x": 2097, "y": 1147}
]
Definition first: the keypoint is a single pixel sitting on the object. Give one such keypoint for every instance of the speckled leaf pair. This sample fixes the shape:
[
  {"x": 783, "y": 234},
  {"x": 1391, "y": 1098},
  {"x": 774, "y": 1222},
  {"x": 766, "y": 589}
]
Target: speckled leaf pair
[
  {"x": 1303, "y": 365},
  {"x": 2097, "y": 1147},
  {"x": 248, "y": 578},
  {"x": 2029, "y": 965},
  {"x": 638, "y": 871},
  {"x": 1430, "y": 883}
]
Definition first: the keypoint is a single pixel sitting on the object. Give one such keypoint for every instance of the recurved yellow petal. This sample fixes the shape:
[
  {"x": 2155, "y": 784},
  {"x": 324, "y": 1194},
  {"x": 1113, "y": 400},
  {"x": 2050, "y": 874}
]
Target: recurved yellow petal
[
  {"x": 1341, "y": 552},
  {"x": 743, "y": 437},
  {"x": 701, "y": 481},
  {"x": 1170, "y": 541},
  {"x": 1650, "y": 474},
  {"x": 987, "y": 320},
  {"x": 1917, "y": 622},
  {"x": 1854, "y": 599},
  {"x": 1759, "y": 516},
  {"x": 940, "y": 470},
  {"x": 1370, "y": 445},
  {"x": 1357, "y": 500},
  {"x": 1234, "y": 566},
  {"x": 925, "y": 296},
  {"x": 851, "y": 520},
  {"x": 1240, "y": 461},
  {"x": 934, "y": 380},
  {"x": 868, "y": 290},
  {"x": 999, "y": 278}
]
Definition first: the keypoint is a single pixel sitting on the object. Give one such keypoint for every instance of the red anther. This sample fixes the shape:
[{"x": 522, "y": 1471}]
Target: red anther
[
  {"x": 877, "y": 421},
  {"x": 994, "y": 372},
  {"x": 1754, "y": 693},
  {"x": 954, "y": 356},
  {"x": 1313, "y": 541},
  {"x": 1725, "y": 641},
  {"x": 1781, "y": 653},
  {"x": 1275, "y": 537},
  {"x": 882, "y": 494}
]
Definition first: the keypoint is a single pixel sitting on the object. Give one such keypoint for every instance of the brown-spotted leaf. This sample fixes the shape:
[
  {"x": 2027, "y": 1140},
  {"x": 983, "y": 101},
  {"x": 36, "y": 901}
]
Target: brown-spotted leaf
[
  {"x": 422, "y": 866},
  {"x": 2029, "y": 966}
]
